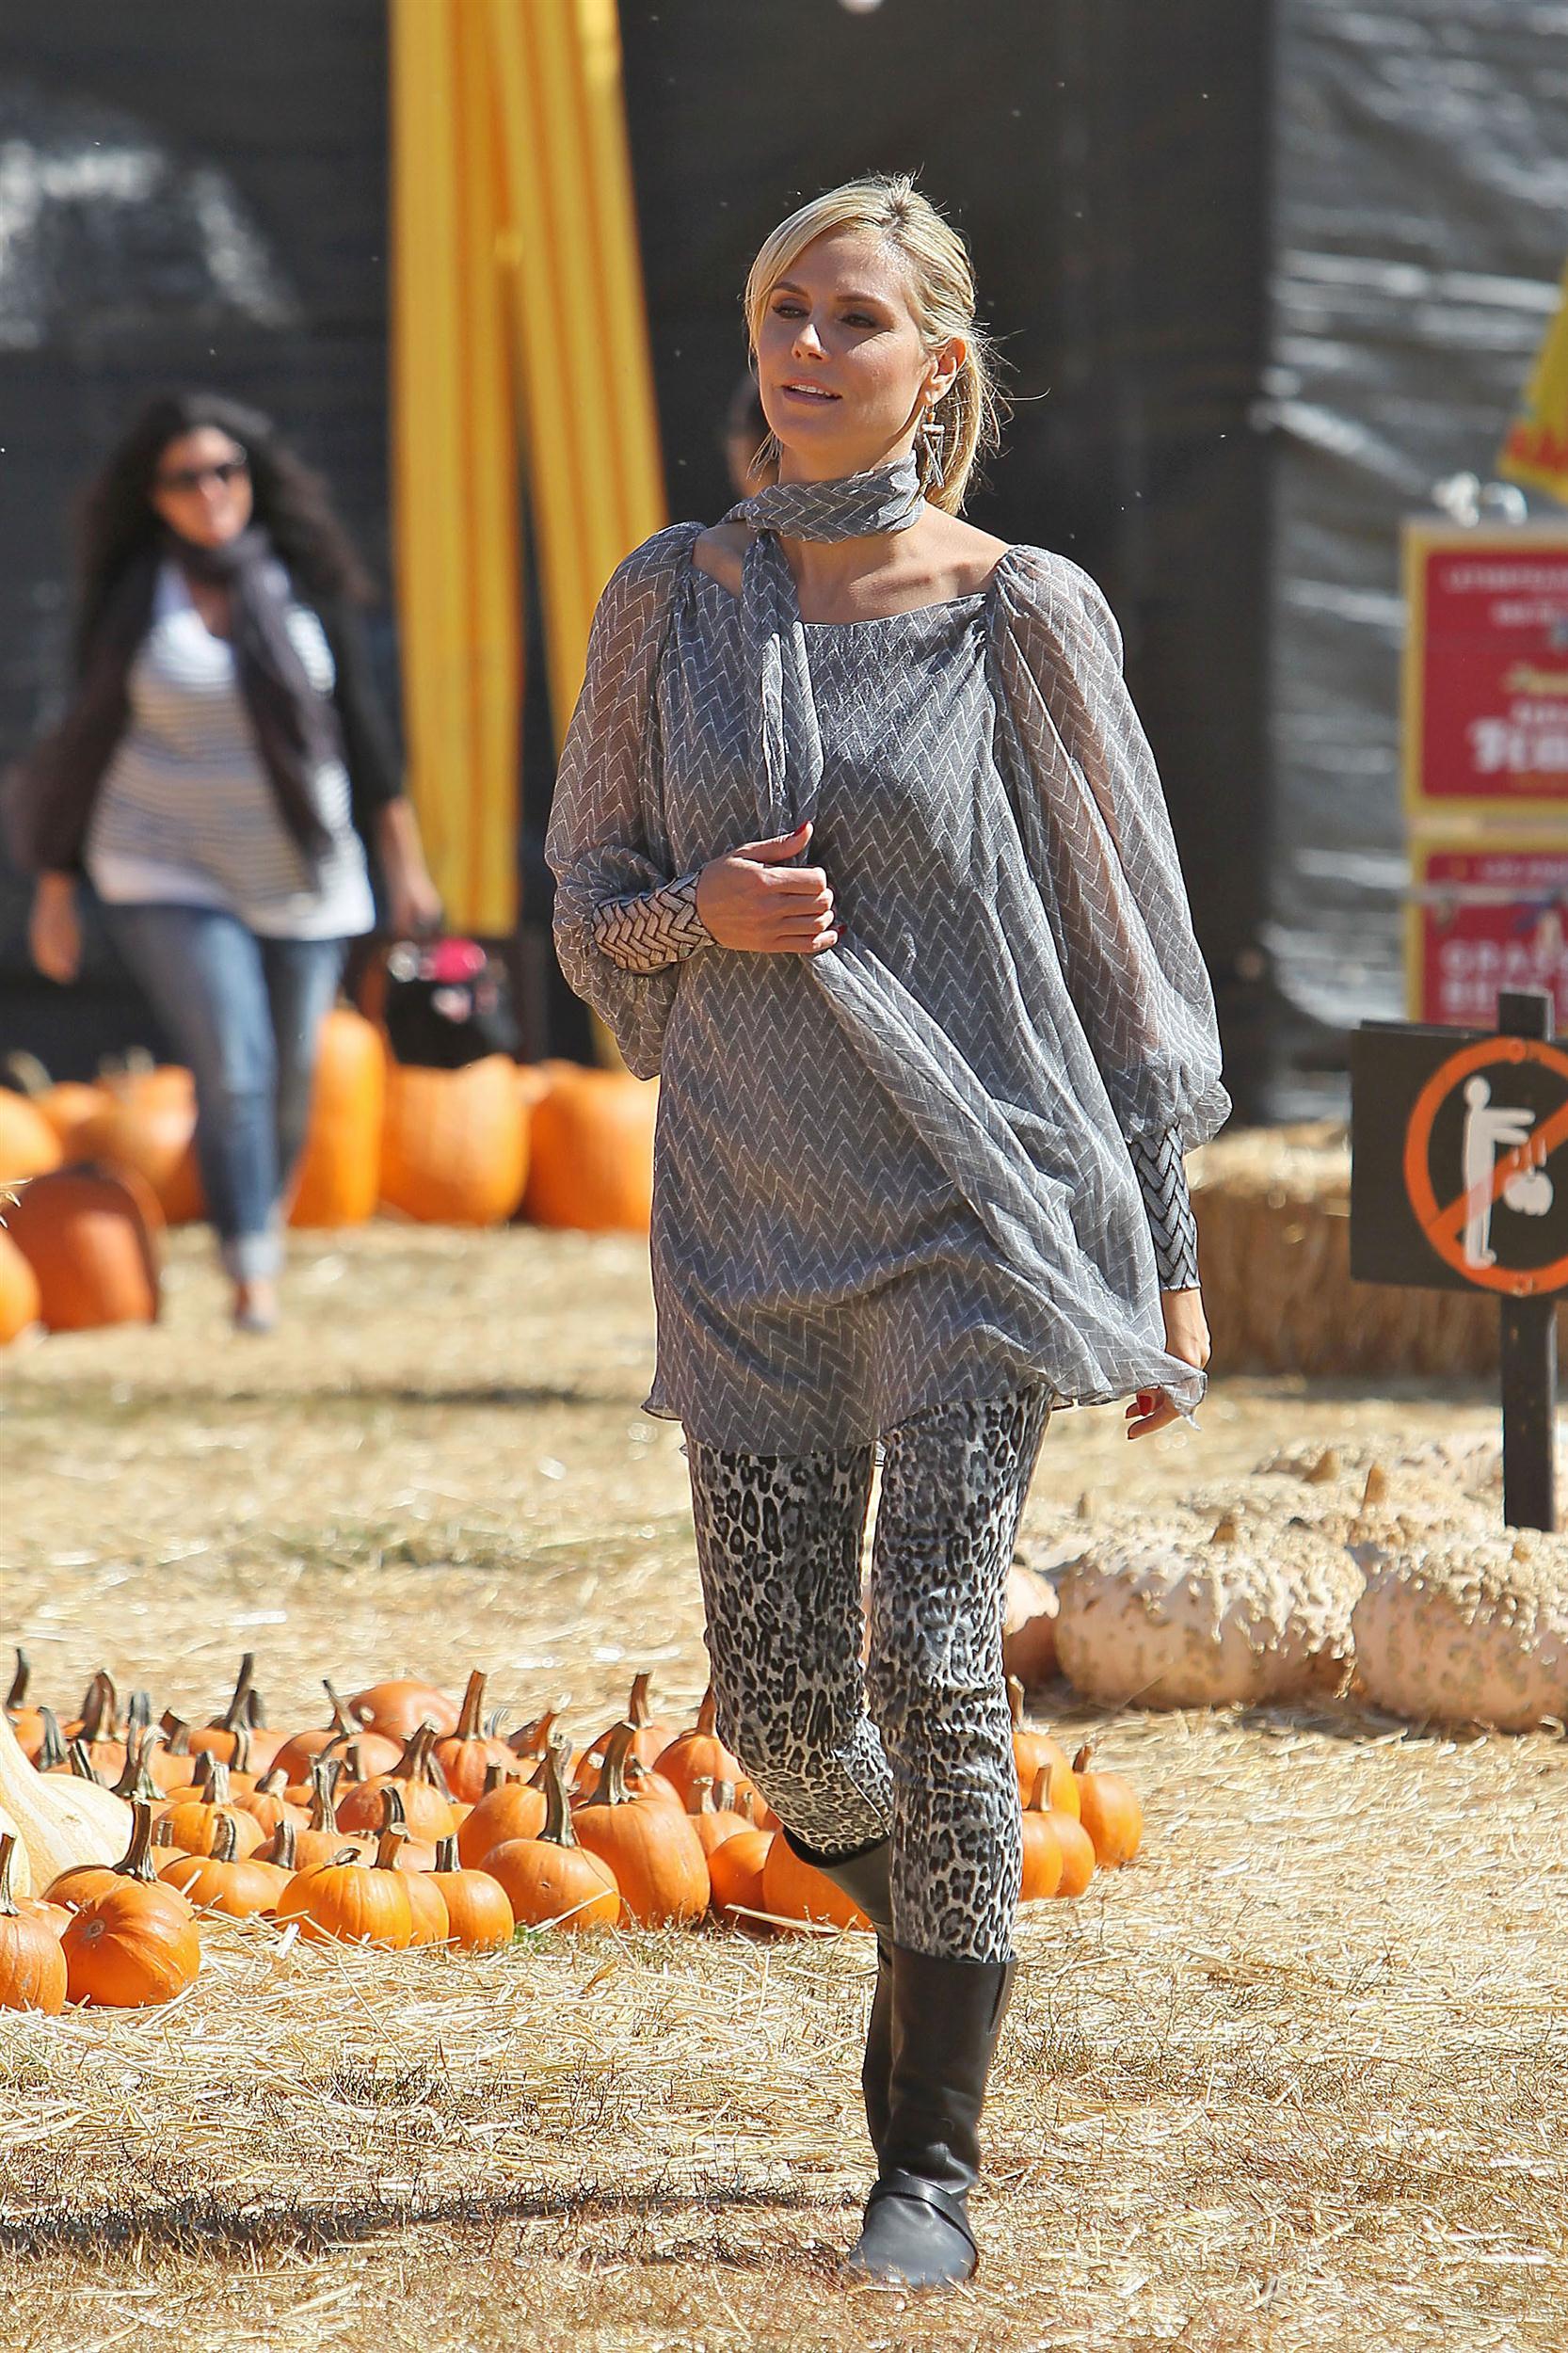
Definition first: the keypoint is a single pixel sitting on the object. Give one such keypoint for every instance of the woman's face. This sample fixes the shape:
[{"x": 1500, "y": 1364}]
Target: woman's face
[
  {"x": 840, "y": 366},
  {"x": 201, "y": 486}
]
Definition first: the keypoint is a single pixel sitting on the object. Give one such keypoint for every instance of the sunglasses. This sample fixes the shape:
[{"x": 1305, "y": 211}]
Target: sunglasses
[{"x": 191, "y": 477}]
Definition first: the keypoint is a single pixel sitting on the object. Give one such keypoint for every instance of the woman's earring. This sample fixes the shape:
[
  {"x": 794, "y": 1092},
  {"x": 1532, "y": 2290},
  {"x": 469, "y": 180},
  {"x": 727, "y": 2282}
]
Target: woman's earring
[{"x": 932, "y": 443}]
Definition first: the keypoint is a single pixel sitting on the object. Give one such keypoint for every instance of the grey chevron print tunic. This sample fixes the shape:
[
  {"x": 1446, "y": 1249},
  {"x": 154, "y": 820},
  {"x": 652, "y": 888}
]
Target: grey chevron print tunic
[{"x": 897, "y": 1172}]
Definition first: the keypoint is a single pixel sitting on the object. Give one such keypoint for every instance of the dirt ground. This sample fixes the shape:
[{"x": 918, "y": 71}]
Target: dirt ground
[{"x": 1293, "y": 2080}]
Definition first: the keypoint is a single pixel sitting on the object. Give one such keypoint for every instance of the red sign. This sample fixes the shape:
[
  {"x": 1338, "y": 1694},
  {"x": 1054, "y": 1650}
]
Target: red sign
[
  {"x": 1486, "y": 668},
  {"x": 1482, "y": 920}
]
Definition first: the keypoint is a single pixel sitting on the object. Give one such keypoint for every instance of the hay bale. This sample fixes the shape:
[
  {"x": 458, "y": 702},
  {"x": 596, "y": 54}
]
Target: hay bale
[{"x": 1273, "y": 1212}]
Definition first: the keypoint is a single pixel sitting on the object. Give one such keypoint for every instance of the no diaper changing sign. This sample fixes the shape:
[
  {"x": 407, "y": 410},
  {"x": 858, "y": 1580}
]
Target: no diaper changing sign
[{"x": 1459, "y": 1180}]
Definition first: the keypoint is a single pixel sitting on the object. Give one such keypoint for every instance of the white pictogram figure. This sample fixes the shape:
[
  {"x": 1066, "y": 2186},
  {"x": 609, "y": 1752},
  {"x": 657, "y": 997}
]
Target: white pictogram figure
[{"x": 1491, "y": 1128}]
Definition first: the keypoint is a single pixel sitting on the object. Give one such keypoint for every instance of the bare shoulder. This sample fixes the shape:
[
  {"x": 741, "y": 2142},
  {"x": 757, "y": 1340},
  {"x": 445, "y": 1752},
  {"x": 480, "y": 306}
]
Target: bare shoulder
[
  {"x": 963, "y": 555},
  {"x": 719, "y": 551}
]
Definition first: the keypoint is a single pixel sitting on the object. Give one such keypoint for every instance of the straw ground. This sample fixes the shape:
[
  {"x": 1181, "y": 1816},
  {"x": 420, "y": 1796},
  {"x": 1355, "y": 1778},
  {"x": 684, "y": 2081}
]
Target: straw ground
[{"x": 1293, "y": 2081}]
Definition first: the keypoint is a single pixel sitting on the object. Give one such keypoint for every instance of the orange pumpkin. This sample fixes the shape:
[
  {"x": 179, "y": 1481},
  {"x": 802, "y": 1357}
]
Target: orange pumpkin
[
  {"x": 1111, "y": 1812},
  {"x": 347, "y": 1901},
  {"x": 794, "y": 1891},
  {"x": 453, "y": 1143},
  {"x": 712, "y": 1811},
  {"x": 397, "y": 1709},
  {"x": 552, "y": 1880},
  {"x": 32, "y": 1966},
  {"x": 428, "y": 1811},
  {"x": 478, "y": 1911},
  {"x": 28, "y": 1144},
  {"x": 650, "y": 1737},
  {"x": 1034, "y": 1752},
  {"x": 1078, "y": 1852},
  {"x": 736, "y": 1868},
  {"x": 66, "y": 1104},
  {"x": 508, "y": 1809},
  {"x": 20, "y": 1301},
  {"x": 240, "y": 1886},
  {"x": 148, "y": 1123},
  {"x": 339, "y": 1173},
  {"x": 89, "y": 1235},
  {"x": 133, "y": 1941},
  {"x": 466, "y": 1755},
  {"x": 591, "y": 1150},
  {"x": 1042, "y": 1873},
  {"x": 192, "y": 1822},
  {"x": 651, "y": 1847},
  {"x": 700, "y": 1754}
]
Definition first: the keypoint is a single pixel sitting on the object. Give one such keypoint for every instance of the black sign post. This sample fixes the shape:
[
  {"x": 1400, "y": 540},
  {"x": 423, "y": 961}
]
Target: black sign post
[{"x": 1459, "y": 1180}]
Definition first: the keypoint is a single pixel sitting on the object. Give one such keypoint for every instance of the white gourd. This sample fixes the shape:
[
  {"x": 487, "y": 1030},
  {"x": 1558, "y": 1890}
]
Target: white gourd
[
  {"x": 59, "y": 1820},
  {"x": 22, "y": 1870},
  {"x": 1474, "y": 1630}
]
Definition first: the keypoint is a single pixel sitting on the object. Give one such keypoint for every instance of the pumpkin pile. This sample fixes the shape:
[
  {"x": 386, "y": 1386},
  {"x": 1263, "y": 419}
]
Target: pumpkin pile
[
  {"x": 409, "y": 1819},
  {"x": 99, "y": 1170}
]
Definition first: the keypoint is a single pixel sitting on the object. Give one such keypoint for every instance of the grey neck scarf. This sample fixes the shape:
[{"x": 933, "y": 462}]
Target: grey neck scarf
[{"x": 787, "y": 764}]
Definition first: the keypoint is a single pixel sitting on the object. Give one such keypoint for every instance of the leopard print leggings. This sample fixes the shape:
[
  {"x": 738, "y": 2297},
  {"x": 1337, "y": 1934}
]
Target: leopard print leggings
[{"x": 931, "y": 1764}]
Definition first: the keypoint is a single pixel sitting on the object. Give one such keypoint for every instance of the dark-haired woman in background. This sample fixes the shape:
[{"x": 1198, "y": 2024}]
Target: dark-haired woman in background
[{"x": 207, "y": 777}]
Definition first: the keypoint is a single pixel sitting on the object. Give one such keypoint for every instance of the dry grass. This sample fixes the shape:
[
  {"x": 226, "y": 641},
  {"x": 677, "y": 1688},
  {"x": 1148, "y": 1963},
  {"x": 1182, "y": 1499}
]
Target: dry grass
[{"x": 1293, "y": 2081}]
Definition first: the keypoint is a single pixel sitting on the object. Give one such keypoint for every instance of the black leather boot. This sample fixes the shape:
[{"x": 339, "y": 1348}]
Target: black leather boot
[
  {"x": 946, "y": 2018},
  {"x": 864, "y": 1876}
]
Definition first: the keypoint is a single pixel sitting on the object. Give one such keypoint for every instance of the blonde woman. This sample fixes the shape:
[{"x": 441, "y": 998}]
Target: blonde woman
[{"x": 859, "y": 841}]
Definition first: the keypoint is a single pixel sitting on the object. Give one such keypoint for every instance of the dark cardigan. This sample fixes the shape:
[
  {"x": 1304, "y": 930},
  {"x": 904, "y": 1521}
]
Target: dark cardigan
[{"x": 56, "y": 830}]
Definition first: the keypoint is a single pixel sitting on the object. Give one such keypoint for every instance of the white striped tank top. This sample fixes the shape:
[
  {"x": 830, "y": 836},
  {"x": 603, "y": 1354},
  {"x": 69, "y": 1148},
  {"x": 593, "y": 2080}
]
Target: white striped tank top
[{"x": 186, "y": 811}]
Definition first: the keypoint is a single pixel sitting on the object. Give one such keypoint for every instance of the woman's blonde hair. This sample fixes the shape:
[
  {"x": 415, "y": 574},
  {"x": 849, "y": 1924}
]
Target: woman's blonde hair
[{"x": 939, "y": 281}]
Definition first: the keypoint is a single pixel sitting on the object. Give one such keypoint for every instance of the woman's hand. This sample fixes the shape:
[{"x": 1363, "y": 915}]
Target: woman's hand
[
  {"x": 53, "y": 928},
  {"x": 413, "y": 903},
  {"x": 1187, "y": 1336},
  {"x": 754, "y": 898}
]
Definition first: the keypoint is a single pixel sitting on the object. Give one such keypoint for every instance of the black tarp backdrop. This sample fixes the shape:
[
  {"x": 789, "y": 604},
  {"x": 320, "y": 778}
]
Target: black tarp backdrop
[
  {"x": 1106, "y": 162},
  {"x": 196, "y": 192},
  {"x": 1421, "y": 224}
]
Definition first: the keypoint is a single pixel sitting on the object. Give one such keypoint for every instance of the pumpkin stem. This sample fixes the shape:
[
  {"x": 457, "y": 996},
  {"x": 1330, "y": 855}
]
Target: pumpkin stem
[
  {"x": 557, "y": 1828},
  {"x": 324, "y": 1778},
  {"x": 255, "y": 1714},
  {"x": 18, "y": 1693},
  {"x": 534, "y": 1739},
  {"x": 724, "y": 1797},
  {"x": 139, "y": 1710},
  {"x": 1081, "y": 1762},
  {"x": 495, "y": 1773},
  {"x": 611, "y": 1788},
  {"x": 283, "y": 1846},
  {"x": 52, "y": 1748},
  {"x": 342, "y": 1720},
  {"x": 137, "y": 1779},
  {"x": 706, "y": 1714},
  {"x": 1016, "y": 1701},
  {"x": 176, "y": 1732},
  {"x": 394, "y": 1828},
  {"x": 136, "y": 1862},
  {"x": 234, "y": 1714},
  {"x": 274, "y": 1782},
  {"x": 8, "y": 1906},
  {"x": 218, "y": 1783},
  {"x": 99, "y": 1709},
  {"x": 82, "y": 1764},
  {"x": 240, "y": 1761},
  {"x": 1039, "y": 1798},
  {"x": 469, "y": 1723},
  {"x": 225, "y": 1839},
  {"x": 638, "y": 1712},
  {"x": 446, "y": 1854},
  {"x": 699, "y": 1794}
]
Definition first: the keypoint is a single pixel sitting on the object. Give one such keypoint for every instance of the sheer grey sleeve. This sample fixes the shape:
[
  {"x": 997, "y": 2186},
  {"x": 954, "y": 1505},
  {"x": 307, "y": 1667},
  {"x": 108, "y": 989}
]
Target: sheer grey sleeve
[
  {"x": 605, "y": 842},
  {"x": 1173, "y": 1227},
  {"x": 1099, "y": 836},
  {"x": 653, "y": 928}
]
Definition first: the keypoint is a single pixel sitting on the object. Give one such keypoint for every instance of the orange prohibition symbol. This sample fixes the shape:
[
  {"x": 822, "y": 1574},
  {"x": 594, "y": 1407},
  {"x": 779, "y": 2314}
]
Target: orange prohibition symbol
[{"x": 1450, "y": 1226}]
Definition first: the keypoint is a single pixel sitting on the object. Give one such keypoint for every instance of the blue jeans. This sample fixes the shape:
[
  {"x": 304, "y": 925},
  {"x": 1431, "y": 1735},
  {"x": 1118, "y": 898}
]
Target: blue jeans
[{"x": 244, "y": 1013}]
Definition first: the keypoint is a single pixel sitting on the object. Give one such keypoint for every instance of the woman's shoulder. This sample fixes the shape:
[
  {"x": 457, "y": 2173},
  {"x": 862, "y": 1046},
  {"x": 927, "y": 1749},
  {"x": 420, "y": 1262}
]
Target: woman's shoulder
[
  {"x": 1043, "y": 587},
  {"x": 654, "y": 568}
]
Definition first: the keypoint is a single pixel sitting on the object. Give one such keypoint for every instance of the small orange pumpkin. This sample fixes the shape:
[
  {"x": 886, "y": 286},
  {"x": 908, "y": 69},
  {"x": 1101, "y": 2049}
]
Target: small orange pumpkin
[
  {"x": 651, "y": 1847},
  {"x": 798, "y": 1893},
  {"x": 1111, "y": 1812},
  {"x": 736, "y": 1868},
  {"x": 32, "y": 1966},
  {"x": 477, "y": 1907},
  {"x": 552, "y": 1880},
  {"x": 340, "y": 1170}
]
